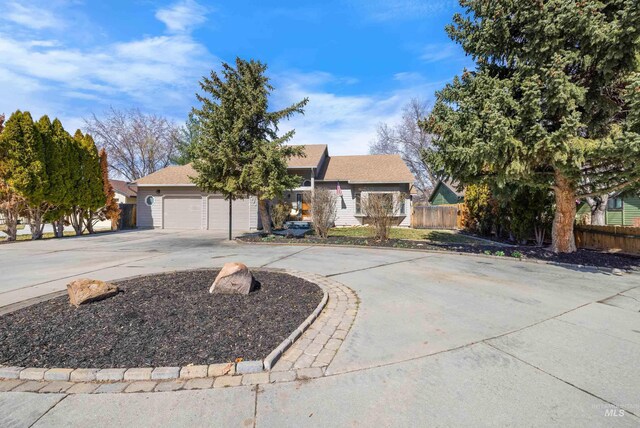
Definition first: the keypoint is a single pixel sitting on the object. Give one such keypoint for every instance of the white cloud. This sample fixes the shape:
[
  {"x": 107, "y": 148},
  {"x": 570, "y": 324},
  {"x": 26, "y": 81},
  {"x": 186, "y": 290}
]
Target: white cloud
[
  {"x": 183, "y": 16},
  {"x": 347, "y": 123},
  {"x": 436, "y": 52},
  {"x": 31, "y": 16},
  {"x": 155, "y": 72}
]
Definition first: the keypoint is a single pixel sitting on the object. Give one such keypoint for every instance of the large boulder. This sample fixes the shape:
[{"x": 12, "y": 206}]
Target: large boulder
[
  {"x": 234, "y": 278},
  {"x": 83, "y": 291}
]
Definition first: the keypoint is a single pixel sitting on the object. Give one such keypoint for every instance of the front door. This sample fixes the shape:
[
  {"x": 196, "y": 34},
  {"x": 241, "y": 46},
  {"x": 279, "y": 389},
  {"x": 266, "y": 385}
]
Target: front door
[{"x": 304, "y": 204}]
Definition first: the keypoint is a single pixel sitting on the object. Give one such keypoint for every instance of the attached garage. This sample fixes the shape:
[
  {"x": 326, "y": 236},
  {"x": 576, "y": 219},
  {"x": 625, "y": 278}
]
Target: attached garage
[
  {"x": 182, "y": 212},
  {"x": 218, "y": 214},
  {"x": 167, "y": 199}
]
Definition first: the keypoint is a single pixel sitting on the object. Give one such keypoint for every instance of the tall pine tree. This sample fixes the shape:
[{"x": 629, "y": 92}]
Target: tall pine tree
[
  {"x": 239, "y": 151},
  {"x": 24, "y": 166},
  {"x": 87, "y": 179},
  {"x": 551, "y": 103},
  {"x": 12, "y": 205}
]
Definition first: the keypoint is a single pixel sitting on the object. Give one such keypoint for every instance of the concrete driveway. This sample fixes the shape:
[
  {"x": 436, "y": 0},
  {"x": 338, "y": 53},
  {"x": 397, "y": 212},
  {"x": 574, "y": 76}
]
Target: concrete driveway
[{"x": 439, "y": 339}]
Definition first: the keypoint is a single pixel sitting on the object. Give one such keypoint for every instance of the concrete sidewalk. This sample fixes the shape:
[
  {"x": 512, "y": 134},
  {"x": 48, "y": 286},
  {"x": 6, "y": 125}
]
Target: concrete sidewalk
[{"x": 439, "y": 339}]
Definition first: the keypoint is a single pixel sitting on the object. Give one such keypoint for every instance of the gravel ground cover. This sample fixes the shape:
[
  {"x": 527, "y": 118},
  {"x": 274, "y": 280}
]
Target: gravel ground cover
[
  {"x": 581, "y": 257},
  {"x": 159, "y": 320}
]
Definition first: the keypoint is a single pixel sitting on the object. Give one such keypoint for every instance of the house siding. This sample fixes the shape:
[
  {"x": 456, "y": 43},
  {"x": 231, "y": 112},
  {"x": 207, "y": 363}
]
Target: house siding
[
  {"x": 630, "y": 211},
  {"x": 346, "y": 204}
]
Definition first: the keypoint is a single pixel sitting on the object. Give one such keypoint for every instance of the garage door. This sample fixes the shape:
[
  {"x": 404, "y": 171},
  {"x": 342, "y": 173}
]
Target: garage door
[
  {"x": 219, "y": 214},
  {"x": 182, "y": 212}
]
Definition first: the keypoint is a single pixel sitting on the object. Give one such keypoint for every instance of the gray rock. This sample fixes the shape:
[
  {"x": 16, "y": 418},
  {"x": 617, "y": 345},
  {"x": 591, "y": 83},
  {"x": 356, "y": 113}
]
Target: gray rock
[{"x": 234, "y": 278}]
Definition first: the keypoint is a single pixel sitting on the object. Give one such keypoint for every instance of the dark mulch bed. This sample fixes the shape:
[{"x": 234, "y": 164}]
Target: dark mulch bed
[
  {"x": 581, "y": 257},
  {"x": 159, "y": 320}
]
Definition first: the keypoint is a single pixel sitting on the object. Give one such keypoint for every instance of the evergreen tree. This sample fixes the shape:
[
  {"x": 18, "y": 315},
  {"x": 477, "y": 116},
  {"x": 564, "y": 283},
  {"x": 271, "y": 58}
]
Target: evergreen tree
[
  {"x": 88, "y": 195},
  {"x": 553, "y": 102},
  {"x": 239, "y": 151},
  {"x": 61, "y": 190},
  {"x": 12, "y": 205},
  {"x": 24, "y": 166},
  {"x": 187, "y": 140}
]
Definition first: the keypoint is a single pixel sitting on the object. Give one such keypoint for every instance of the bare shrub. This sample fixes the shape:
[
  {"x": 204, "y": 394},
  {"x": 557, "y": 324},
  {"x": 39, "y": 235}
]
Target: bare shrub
[
  {"x": 323, "y": 210},
  {"x": 382, "y": 210},
  {"x": 279, "y": 214}
]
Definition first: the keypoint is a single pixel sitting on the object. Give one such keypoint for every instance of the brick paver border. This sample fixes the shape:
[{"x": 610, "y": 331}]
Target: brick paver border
[{"x": 305, "y": 354}]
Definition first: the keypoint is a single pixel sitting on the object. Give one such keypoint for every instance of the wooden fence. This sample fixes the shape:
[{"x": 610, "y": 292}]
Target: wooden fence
[
  {"x": 436, "y": 217},
  {"x": 625, "y": 239}
]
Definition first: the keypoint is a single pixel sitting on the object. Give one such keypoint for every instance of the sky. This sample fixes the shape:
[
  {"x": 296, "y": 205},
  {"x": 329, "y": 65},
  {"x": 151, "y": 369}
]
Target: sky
[{"x": 358, "y": 61}]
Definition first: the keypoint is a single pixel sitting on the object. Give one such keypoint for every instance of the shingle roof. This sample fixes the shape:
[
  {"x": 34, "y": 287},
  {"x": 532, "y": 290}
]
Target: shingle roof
[
  {"x": 124, "y": 188},
  {"x": 367, "y": 169},
  {"x": 171, "y": 175},
  {"x": 313, "y": 156},
  {"x": 357, "y": 169}
]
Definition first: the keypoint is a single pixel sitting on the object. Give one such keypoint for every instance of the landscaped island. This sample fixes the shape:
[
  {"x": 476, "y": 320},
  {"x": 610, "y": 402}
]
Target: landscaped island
[{"x": 159, "y": 320}]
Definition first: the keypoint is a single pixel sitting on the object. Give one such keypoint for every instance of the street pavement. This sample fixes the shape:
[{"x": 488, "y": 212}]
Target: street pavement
[{"x": 439, "y": 339}]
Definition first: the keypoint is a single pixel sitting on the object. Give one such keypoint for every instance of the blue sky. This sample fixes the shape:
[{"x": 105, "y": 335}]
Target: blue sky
[{"x": 358, "y": 61}]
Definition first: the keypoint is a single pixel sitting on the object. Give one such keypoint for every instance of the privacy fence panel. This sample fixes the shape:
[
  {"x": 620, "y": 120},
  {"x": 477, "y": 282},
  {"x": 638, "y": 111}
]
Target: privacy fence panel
[
  {"x": 616, "y": 238},
  {"x": 435, "y": 217}
]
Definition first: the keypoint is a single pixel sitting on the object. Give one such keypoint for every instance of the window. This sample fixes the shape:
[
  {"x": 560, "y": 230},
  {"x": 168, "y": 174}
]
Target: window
[
  {"x": 358, "y": 203},
  {"x": 402, "y": 203},
  {"x": 149, "y": 200},
  {"x": 614, "y": 204},
  {"x": 306, "y": 183}
]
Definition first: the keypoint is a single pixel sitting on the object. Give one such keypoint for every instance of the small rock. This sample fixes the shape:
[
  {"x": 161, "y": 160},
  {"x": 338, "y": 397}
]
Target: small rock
[
  {"x": 83, "y": 291},
  {"x": 617, "y": 272},
  {"x": 234, "y": 278}
]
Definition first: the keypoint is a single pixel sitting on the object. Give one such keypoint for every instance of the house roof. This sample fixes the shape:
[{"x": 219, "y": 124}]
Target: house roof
[
  {"x": 171, "y": 175},
  {"x": 355, "y": 169},
  {"x": 313, "y": 156},
  {"x": 124, "y": 188},
  {"x": 452, "y": 185},
  {"x": 367, "y": 169}
]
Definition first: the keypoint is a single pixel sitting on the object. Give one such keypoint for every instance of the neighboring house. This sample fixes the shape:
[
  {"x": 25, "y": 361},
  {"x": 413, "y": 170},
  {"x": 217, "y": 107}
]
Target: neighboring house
[
  {"x": 168, "y": 199},
  {"x": 446, "y": 193},
  {"x": 125, "y": 193},
  {"x": 621, "y": 211}
]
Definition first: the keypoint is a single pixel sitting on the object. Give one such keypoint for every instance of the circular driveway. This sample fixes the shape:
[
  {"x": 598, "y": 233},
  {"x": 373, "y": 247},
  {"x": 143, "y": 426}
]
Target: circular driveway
[{"x": 439, "y": 339}]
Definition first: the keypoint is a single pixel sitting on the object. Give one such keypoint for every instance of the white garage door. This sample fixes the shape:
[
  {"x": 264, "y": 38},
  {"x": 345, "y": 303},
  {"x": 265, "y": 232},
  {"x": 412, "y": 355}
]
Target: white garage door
[
  {"x": 182, "y": 212},
  {"x": 219, "y": 214}
]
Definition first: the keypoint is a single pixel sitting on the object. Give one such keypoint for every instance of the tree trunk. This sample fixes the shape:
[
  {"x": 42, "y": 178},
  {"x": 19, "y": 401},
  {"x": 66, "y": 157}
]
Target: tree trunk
[
  {"x": 230, "y": 218},
  {"x": 11, "y": 223},
  {"x": 563, "y": 239},
  {"x": 58, "y": 227},
  {"x": 598, "y": 209},
  {"x": 77, "y": 220},
  {"x": 35, "y": 222},
  {"x": 89, "y": 222},
  {"x": 265, "y": 217}
]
